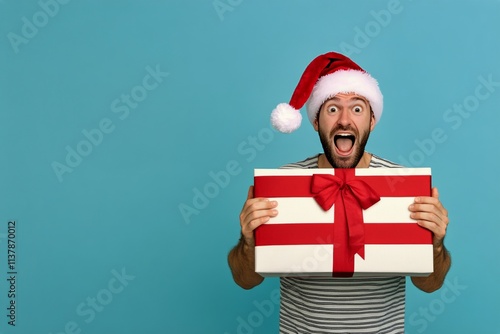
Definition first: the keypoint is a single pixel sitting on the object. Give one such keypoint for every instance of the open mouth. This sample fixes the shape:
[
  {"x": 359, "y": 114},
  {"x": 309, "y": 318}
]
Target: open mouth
[{"x": 344, "y": 142}]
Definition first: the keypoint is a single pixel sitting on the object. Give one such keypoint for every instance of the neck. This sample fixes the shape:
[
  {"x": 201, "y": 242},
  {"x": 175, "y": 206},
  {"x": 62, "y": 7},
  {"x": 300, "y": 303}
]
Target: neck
[{"x": 364, "y": 162}]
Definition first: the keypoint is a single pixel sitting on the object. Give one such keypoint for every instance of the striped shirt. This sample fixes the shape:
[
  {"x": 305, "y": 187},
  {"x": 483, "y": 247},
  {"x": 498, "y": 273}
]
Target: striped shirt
[{"x": 342, "y": 305}]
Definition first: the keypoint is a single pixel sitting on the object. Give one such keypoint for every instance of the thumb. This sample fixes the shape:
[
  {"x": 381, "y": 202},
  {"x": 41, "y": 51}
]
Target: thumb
[
  {"x": 250, "y": 192},
  {"x": 435, "y": 192}
]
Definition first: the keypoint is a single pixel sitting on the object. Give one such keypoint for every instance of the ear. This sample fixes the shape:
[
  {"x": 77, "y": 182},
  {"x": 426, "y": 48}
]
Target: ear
[
  {"x": 316, "y": 123},
  {"x": 372, "y": 121}
]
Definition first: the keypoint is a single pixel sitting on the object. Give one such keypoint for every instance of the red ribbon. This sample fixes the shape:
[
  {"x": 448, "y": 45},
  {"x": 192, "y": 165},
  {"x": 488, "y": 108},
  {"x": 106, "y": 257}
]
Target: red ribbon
[{"x": 350, "y": 196}]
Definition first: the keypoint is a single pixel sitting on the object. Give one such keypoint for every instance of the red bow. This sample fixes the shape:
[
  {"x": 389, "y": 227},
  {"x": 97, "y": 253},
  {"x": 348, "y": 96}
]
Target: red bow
[{"x": 350, "y": 197}]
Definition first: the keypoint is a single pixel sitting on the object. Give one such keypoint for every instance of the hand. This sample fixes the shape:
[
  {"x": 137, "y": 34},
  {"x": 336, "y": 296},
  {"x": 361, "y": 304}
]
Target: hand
[
  {"x": 430, "y": 214},
  {"x": 255, "y": 212}
]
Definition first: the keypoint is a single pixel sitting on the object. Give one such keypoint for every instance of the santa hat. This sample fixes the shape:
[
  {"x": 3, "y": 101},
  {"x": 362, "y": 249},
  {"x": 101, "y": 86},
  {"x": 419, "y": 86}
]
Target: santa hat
[{"x": 326, "y": 76}]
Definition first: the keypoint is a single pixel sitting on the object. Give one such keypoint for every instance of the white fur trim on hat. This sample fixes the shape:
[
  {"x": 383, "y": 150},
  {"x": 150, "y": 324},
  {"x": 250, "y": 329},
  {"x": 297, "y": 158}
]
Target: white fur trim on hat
[
  {"x": 285, "y": 118},
  {"x": 345, "y": 81}
]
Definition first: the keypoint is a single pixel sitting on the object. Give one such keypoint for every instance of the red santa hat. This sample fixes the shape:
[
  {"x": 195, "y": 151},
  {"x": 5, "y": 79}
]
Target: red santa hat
[{"x": 326, "y": 76}]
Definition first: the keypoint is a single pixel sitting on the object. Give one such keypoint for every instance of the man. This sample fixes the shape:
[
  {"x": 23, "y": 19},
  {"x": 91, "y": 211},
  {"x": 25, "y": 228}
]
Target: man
[{"x": 343, "y": 104}]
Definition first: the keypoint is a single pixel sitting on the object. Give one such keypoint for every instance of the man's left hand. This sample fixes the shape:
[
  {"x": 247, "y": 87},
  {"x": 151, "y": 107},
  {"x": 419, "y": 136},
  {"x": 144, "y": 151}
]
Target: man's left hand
[{"x": 431, "y": 214}]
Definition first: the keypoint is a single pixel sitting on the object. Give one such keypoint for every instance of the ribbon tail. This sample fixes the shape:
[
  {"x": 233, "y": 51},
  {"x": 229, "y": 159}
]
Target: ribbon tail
[
  {"x": 343, "y": 258},
  {"x": 356, "y": 226}
]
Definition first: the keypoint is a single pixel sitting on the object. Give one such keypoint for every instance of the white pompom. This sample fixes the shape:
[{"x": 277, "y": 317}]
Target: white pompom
[{"x": 285, "y": 118}]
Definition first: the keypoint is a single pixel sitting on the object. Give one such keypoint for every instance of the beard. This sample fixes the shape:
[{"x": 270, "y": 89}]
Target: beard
[{"x": 327, "y": 141}]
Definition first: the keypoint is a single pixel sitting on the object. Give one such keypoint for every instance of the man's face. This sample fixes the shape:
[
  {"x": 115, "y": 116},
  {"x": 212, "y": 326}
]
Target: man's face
[{"x": 344, "y": 124}]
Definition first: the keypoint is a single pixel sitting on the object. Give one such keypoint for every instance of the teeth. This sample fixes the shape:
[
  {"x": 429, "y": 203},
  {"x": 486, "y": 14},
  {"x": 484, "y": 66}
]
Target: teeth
[{"x": 344, "y": 135}]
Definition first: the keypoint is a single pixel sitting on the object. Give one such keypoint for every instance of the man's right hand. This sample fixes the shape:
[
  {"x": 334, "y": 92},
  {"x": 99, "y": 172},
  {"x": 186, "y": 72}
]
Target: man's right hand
[
  {"x": 255, "y": 212},
  {"x": 241, "y": 258}
]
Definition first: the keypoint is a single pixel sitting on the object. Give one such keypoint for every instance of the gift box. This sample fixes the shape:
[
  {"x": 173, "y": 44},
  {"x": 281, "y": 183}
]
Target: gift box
[{"x": 343, "y": 223}]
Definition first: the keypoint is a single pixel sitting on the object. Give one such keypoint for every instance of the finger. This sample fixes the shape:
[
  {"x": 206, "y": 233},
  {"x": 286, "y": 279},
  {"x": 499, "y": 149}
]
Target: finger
[
  {"x": 420, "y": 204},
  {"x": 258, "y": 204},
  {"x": 431, "y": 226},
  {"x": 431, "y": 208},
  {"x": 427, "y": 217},
  {"x": 256, "y": 220},
  {"x": 426, "y": 200}
]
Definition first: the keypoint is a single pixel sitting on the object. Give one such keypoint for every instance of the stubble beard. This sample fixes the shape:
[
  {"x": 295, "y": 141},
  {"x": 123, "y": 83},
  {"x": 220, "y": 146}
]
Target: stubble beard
[{"x": 343, "y": 162}]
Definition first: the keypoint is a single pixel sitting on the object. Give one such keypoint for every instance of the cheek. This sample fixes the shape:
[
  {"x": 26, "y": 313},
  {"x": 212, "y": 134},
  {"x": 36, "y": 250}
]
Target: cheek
[{"x": 365, "y": 124}]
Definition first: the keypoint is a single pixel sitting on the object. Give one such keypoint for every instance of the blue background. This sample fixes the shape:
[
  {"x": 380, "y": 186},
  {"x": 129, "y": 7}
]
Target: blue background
[{"x": 229, "y": 62}]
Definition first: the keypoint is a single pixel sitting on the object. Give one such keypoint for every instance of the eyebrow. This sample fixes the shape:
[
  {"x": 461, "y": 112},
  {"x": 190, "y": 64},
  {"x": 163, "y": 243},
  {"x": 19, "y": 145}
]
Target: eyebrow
[{"x": 354, "y": 98}]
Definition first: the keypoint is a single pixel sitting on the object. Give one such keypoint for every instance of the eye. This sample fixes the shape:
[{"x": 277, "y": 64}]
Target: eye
[
  {"x": 332, "y": 109},
  {"x": 357, "y": 109}
]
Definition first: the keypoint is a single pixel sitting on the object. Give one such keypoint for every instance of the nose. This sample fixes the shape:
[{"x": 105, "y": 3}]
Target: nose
[{"x": 344, "y": 117}]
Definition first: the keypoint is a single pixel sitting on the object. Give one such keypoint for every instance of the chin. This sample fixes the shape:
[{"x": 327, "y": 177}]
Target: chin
[
  {"x": 343, "y": 163},
  {"x": 340, "y": 161},
  {"x": 350, "y": 161}
]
